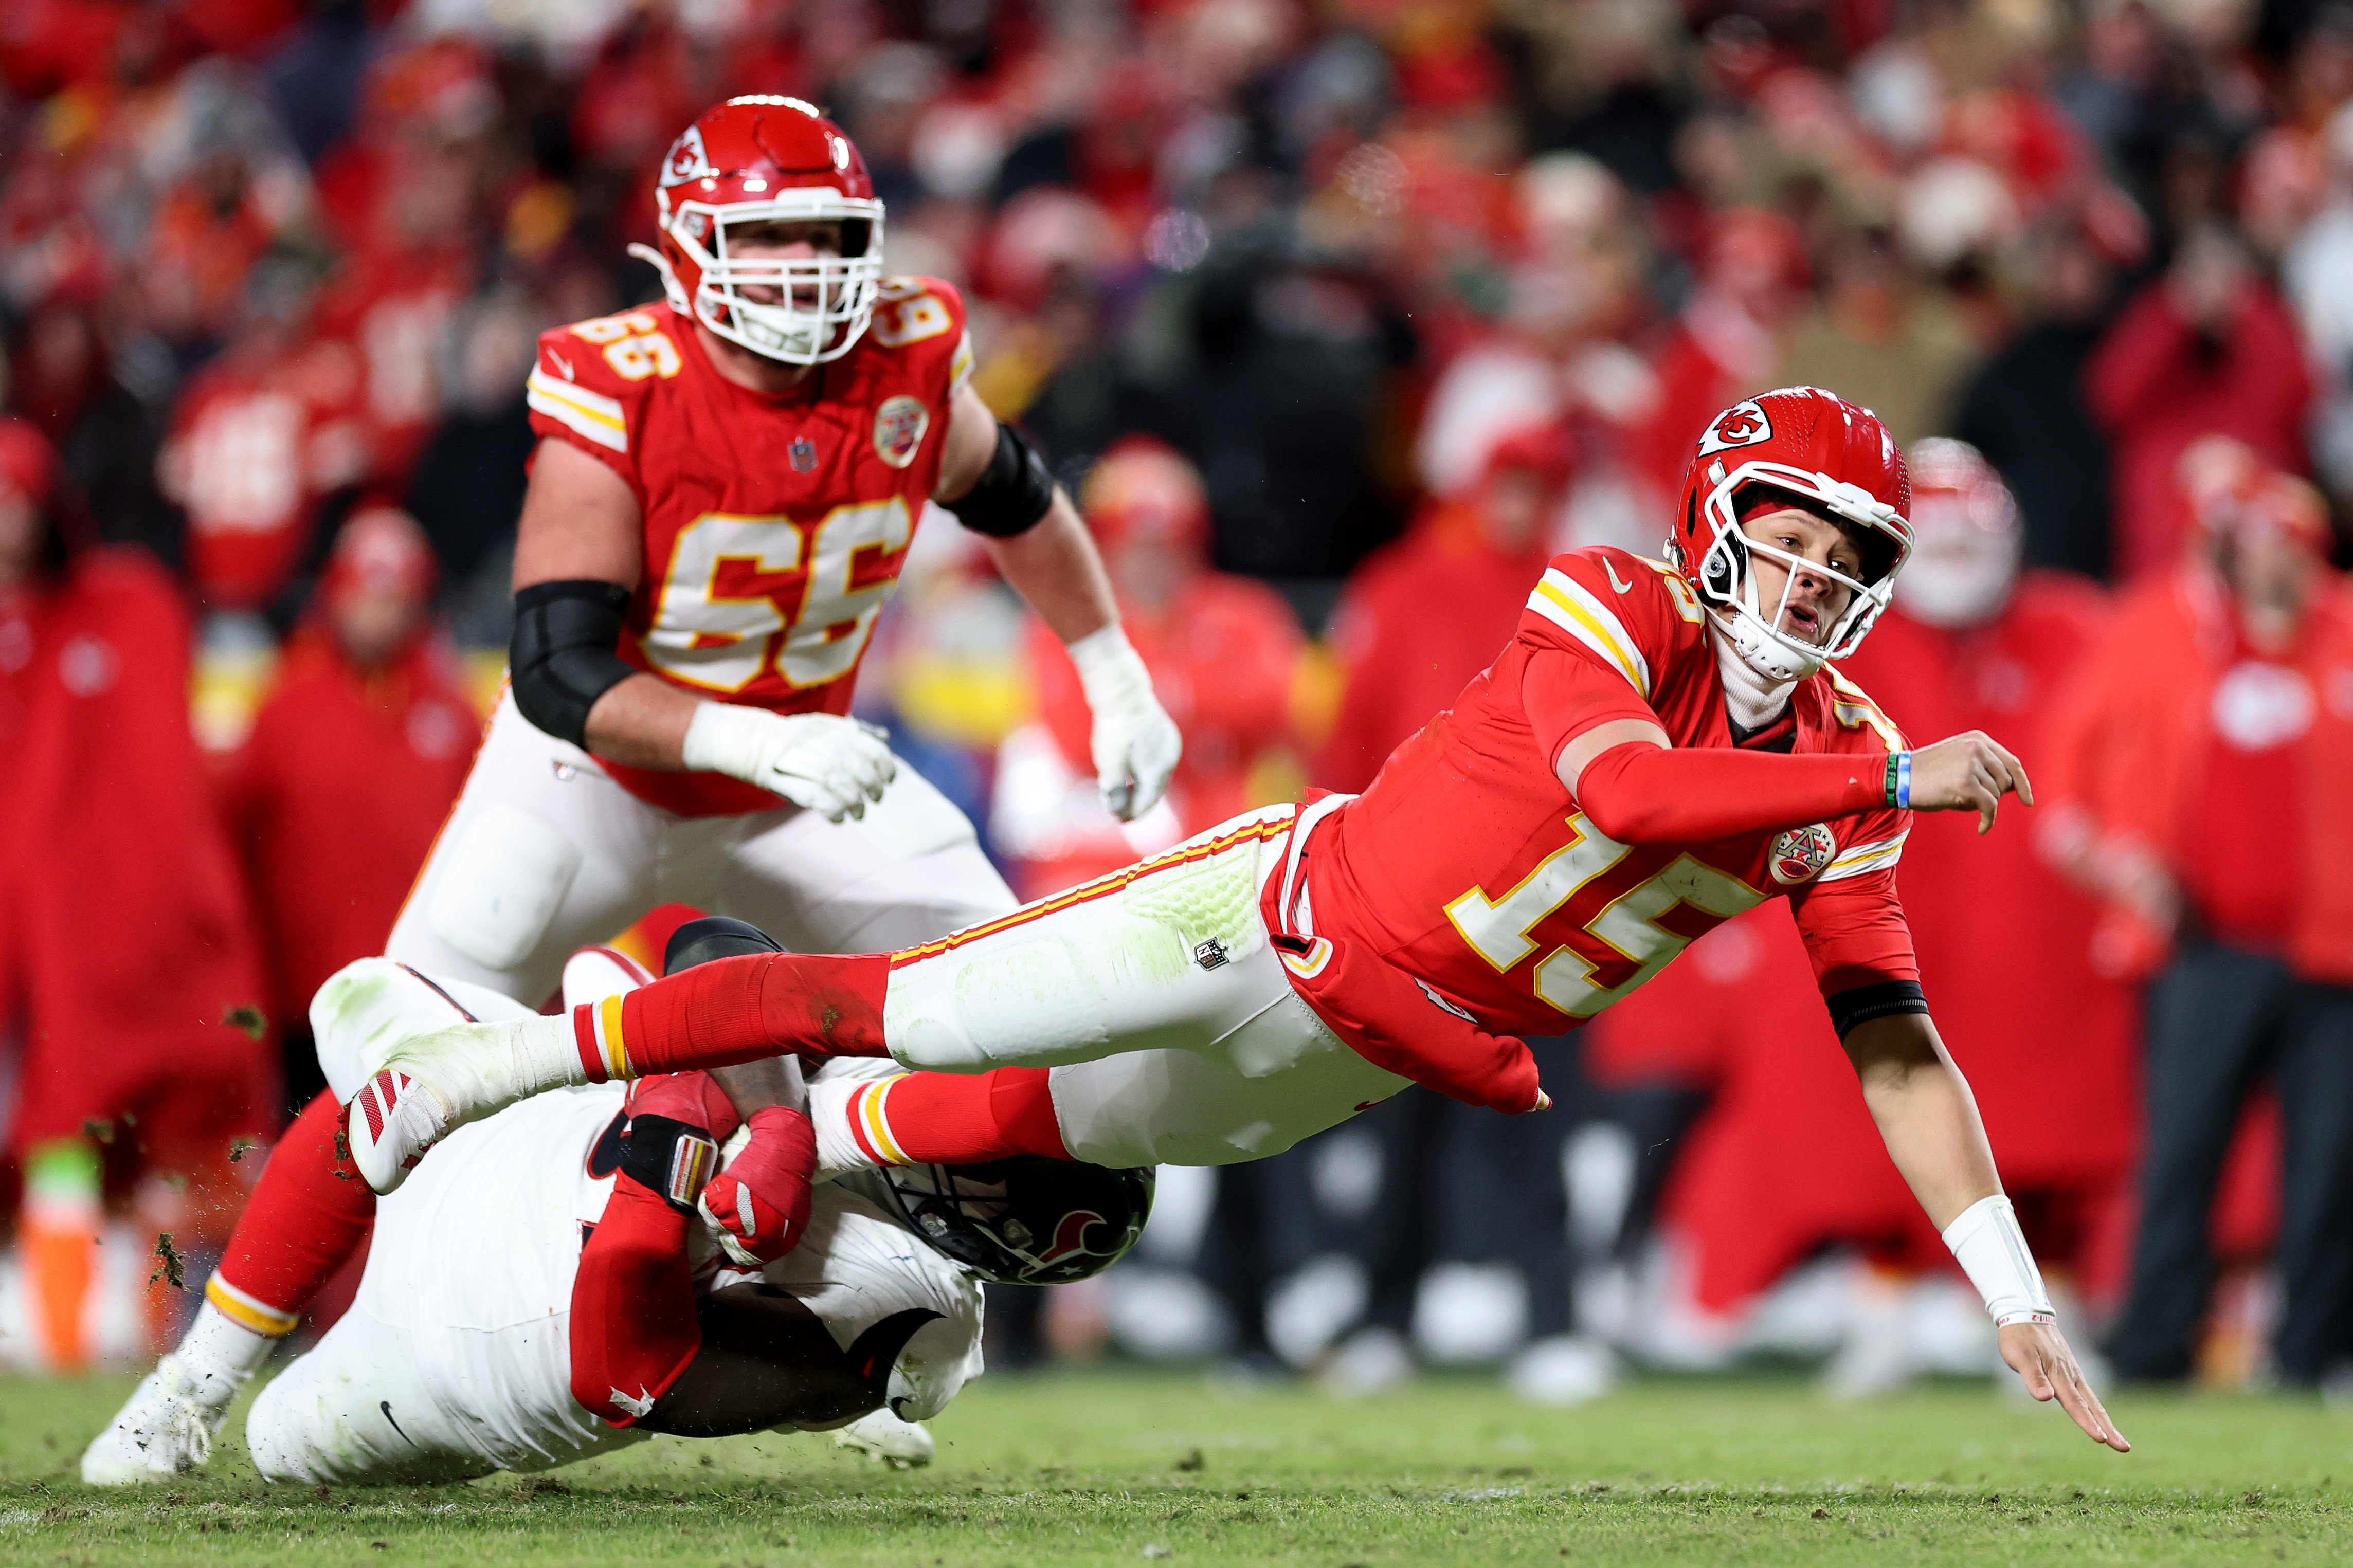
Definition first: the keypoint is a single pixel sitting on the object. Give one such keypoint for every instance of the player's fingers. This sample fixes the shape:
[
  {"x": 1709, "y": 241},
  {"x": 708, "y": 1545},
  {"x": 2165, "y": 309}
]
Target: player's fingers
[
  {"x": 2016, "y": 770},
  {"x": 2076, "y": 1399},
  {"x": 1978, "y": 794}
]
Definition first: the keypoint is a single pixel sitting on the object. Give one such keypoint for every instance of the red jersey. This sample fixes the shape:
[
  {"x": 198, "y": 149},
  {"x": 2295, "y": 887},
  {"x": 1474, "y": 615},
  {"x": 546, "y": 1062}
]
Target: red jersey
[
  {"x": 255, "y": 446},
  {"x": 1468, "y": 865},
  {"x": 774, "y": 526}
]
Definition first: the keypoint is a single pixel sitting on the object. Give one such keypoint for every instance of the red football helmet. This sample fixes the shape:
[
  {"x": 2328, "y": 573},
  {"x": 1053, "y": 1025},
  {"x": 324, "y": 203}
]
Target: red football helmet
[
  {"x": 1815, "y": 451},
  {"x": 763, "y": 159}
]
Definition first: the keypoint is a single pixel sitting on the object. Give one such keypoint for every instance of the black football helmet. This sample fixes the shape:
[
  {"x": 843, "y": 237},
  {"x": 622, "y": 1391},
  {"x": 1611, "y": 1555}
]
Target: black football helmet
[{"x": 1027, "y": 1220}]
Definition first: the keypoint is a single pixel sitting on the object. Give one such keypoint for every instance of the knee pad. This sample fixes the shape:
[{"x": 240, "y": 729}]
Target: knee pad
[{"x": 501, "y": 882}]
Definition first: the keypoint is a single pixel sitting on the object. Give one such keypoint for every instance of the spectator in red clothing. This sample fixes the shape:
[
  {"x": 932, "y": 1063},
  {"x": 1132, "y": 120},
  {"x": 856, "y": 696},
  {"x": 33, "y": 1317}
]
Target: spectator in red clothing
[
  {"x": 1427, "y": 613},
  {"x": 1223, "y": 652},
  {"x": 127, "y": 972},
  {"x": 2004, "y": 942},
  {"x": 259, "y": 439},
  {"x": 2217, "y": 806},
  {"x": 352, "y": 765},
  {"x": 2209, "y": 348}
]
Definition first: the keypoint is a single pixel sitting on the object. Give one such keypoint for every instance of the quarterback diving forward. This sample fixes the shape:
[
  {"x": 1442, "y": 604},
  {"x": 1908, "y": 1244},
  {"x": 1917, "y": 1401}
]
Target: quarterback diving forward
[
  {"x": 1661, "y": 746},
  {"x": 724, "y": 490}
]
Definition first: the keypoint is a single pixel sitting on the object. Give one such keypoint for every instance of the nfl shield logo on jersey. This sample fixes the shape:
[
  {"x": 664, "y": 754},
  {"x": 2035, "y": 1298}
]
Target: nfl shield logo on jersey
[
  {"x": 802, "y": 455},
  {"x": 899, "y": 426},
  {"x": 1801, "y": 853}
]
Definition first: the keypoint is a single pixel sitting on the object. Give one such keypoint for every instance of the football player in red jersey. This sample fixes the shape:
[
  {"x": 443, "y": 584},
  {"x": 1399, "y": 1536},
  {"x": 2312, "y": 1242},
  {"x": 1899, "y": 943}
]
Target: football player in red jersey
[
  {"x": 724, "y": 491},
  {"x": 1659, "y": 748}
]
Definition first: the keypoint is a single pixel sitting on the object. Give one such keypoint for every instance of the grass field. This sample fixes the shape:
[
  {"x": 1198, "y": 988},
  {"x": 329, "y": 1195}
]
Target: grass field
[{"x": 1125, "y": 1467}]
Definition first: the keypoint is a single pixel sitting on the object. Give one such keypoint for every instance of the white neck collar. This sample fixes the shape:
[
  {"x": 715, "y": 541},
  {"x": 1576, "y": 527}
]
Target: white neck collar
[{"x": 1752, "y": 701}]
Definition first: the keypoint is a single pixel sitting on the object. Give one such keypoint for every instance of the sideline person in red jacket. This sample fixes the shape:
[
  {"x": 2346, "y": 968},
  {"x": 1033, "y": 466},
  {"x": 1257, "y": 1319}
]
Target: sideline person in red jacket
[
  {"x": 2207, "y": 768},
  {"x": 2210, "y": 347},
  {"x": 127, "y": 967},
  {"x": 351, "y": 767}
]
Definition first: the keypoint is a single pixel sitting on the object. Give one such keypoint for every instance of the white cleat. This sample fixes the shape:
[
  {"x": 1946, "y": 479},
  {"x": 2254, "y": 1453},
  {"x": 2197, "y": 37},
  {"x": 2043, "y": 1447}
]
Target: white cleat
[
  {"x": 428, "y": 1086},
  {"x": 165, "y": 1430},
  {"x": 881, "y": 1436}
]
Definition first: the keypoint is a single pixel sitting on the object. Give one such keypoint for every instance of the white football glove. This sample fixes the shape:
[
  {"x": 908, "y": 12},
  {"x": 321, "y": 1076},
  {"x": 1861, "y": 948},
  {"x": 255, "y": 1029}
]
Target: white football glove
[
  {"x": 830, "y": 764},
  {"x": 1136, "y": 744}
]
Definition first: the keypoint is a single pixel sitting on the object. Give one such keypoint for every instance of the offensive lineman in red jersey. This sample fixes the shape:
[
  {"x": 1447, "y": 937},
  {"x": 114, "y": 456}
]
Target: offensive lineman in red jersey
[
  {"x": 725, "y": 488},
  {"x": 1658, "y": 749}
]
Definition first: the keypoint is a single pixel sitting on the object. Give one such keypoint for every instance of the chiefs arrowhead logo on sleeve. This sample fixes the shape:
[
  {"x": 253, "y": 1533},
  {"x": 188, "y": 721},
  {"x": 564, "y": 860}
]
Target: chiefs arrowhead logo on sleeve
[
  {"x": 899, "y": 426},
  {"x": 1742, "y": 424},
  {"x": 1801, "y": 853}
]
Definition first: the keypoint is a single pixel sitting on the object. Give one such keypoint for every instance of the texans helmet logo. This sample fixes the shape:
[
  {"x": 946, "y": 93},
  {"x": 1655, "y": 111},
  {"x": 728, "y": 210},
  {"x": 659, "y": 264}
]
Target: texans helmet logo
[
  {"x": 1070, "y": 1238},
  {"x": 1742, "y": 424}
]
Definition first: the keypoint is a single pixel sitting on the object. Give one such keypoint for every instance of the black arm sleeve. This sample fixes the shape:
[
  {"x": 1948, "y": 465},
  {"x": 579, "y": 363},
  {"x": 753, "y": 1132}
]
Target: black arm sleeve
[
  {"x": 1864, "y": 1003},
  {"x": 1012, "y": 493},
  {"x": 562, "y": 658}
]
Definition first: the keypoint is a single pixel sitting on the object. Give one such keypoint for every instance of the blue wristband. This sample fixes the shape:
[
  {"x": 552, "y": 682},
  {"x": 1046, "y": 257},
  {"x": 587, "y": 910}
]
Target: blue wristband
[{"x": 1903, "y": 781}]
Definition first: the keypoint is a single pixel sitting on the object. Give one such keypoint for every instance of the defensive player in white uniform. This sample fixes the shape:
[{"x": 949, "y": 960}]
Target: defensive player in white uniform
[
  {"x": 724, "y": 491},
  {"x": 461, "y": 1353}
]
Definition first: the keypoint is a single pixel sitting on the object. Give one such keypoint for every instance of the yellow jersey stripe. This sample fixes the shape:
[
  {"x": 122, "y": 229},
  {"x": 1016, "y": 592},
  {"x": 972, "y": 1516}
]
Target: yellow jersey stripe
[
  {"x": 608, "y": 409},
  {"x": 605, "y": 430},
  {"x": 1859, "y": 859},
  {"x": 1565, "y": 603}
]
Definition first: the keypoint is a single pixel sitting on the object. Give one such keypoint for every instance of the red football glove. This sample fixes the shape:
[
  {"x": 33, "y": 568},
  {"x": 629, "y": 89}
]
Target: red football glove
[{"x": 758, "y": 1206}]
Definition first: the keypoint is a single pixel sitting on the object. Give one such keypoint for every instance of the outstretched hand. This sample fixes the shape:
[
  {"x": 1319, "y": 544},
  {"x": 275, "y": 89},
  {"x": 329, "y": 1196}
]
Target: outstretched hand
[
  {"x": 1968, "y": 771},
  {"x": 2038, "y": 1353}
]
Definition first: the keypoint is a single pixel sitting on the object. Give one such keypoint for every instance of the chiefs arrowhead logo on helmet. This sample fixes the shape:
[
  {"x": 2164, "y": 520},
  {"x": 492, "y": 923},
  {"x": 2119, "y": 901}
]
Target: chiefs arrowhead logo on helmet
[
  {"x": 687, "y": 160},
  {"x": 1742, "y": 424}
]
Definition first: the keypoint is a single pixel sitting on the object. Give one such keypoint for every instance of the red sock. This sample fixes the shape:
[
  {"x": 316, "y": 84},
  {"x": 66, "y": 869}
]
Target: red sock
[
  {"x": 304, "y": 1221},
  {"x": 633, "y": 1326},
  {"x": 957, "y": 1118},
  {"x": 737, "y": 1010}
]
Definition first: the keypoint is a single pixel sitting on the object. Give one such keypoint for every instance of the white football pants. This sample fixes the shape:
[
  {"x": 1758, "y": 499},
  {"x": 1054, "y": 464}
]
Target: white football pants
[
  {"x": 545, "y": 854},
  {"x": 1170, "y": 1025}
]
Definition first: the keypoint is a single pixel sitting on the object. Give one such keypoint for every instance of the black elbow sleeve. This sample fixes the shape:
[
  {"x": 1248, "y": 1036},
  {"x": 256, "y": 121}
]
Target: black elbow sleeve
[
  {"x": 1864, "y": 1003},
  {"x": 563, "y": 657},
  {"x": 1013, "y": 492}
]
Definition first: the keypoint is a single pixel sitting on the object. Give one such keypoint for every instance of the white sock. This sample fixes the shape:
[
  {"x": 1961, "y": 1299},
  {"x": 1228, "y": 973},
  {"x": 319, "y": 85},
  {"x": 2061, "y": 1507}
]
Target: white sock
[
  {"x": 542, "y": 1054},
  {"x": 831, "y": 1103},
  {"x": 222, "y": 1352}
]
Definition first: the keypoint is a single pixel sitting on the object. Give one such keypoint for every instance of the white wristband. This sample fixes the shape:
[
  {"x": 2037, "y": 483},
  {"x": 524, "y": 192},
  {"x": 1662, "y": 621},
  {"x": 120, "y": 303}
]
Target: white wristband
[
  {"x": 723, "y": 738},
  {"x": 1992, "y": 1252},
  {"x": 1110, "y": 669}
]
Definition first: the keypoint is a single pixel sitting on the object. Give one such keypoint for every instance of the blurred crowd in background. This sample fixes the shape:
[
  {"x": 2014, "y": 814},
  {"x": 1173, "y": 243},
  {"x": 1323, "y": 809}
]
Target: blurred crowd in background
[{"x": 1340, "y": 317}]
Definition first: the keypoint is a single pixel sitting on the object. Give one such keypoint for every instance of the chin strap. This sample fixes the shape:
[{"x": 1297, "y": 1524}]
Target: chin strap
[{"x": 1752, "y": 697}]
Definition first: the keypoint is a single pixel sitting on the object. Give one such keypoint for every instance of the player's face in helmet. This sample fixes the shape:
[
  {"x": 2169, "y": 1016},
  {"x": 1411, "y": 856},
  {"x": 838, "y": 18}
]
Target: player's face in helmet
[
  {"x": 1810, "y": 603},
  {"x": 774, "y": 239}
]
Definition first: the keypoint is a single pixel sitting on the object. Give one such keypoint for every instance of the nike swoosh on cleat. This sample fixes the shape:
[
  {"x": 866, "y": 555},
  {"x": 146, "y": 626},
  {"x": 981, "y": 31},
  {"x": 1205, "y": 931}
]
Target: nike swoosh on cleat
[{"x": 386, "y": 1405}]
